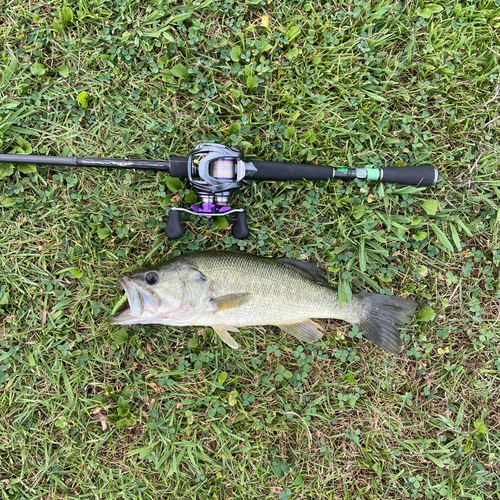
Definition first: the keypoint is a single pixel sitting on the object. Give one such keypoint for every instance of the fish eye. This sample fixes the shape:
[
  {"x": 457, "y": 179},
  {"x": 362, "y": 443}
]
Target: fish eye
[{"x": 152, "y": 278}]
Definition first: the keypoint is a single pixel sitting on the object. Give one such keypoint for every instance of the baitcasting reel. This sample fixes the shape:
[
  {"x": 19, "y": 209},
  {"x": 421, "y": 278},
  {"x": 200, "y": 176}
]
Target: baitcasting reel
[{"x": 216, "y": 171}]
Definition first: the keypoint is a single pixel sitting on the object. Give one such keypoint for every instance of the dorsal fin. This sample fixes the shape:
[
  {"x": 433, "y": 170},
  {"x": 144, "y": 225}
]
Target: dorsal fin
[{"x": 308, "y": 269}]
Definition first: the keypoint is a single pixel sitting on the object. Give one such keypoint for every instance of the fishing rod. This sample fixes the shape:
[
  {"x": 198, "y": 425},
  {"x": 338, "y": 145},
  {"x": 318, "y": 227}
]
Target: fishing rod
[{"x": 215, "y": 171}]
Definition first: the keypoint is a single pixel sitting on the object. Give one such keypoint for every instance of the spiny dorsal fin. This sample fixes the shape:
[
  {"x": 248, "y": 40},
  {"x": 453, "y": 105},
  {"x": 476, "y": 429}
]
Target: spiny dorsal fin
[
  {"x": 230, "y": 301},
  {"x": 308, "y": 269},
  {"x": 223, "y": 333},
  {"x": 307, "y": 331}
]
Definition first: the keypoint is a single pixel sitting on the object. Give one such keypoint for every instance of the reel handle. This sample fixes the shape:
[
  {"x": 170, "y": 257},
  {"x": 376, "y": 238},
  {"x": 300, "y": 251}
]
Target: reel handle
[
  {"x": 175, "y": 231},
  {"x": 240, "y": 228},
  {"x": 174, "y": 228}
]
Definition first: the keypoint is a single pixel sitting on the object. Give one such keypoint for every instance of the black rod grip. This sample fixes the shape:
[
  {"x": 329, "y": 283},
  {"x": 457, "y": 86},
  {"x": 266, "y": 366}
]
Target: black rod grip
[
  {"x": 179, "y": 166},
  {"x": 277, "y": 171},
  {"x": 422, "y": 176}
]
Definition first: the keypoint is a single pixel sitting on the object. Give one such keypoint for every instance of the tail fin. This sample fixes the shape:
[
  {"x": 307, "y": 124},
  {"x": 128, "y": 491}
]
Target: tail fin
[{"x": 381, "y": 315}]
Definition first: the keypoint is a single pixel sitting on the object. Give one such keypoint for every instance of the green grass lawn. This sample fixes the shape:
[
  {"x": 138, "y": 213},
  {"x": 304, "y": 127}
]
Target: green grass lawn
[{"x": 93, "y": 411}]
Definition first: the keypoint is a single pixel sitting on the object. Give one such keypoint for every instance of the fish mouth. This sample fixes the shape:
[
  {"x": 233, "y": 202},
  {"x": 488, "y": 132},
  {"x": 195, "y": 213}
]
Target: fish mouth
[{"x": 141, "y": 304}]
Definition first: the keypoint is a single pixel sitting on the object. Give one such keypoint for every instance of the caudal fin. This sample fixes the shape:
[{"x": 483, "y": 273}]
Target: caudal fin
[{"x": 381, "y": 316}]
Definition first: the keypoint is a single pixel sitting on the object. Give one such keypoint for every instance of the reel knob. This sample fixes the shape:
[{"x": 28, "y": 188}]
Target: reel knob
[
  {"x": 174, "y": 226},
  {"x": 240, "y": 228}
]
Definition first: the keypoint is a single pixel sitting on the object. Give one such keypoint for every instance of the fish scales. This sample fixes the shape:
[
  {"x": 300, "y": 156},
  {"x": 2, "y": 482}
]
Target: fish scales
[
  {"x": 227, "y": 290},
  {"x": 280, "y": 294}
]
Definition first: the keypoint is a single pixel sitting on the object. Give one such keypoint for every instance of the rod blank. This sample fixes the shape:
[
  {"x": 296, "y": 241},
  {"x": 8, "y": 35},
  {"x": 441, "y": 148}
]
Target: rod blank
[{"x": 72, "y": 161}]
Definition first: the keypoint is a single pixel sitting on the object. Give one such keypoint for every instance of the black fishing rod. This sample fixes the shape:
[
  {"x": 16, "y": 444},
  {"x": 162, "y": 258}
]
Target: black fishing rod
[{"x": 216, "y": 171}]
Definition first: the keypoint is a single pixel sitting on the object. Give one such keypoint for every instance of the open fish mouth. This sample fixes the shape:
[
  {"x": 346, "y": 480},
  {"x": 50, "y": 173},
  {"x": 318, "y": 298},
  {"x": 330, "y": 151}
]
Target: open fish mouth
[{"x": 141, "y": 304}]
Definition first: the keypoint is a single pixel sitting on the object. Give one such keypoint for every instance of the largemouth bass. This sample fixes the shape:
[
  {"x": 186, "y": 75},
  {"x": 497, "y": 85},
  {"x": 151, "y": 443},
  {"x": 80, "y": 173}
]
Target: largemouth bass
[{"x": 228, "y": 290}]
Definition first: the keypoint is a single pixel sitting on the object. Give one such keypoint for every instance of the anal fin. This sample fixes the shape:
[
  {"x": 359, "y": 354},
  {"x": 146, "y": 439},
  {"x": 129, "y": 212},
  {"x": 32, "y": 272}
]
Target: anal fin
[
  {"x": 223, "y": 333},
  {"x": 307, "y": 331}
]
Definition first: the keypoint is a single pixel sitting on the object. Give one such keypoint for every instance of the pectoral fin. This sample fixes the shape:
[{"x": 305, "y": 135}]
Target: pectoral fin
[
  {"x": 307, "y": 331},
  {"x": 222, "y": 332},
  {"x": 229, "y": 301}
]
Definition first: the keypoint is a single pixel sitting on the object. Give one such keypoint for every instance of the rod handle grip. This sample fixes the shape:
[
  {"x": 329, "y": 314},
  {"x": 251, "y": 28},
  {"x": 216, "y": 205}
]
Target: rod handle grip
[
  {"x": 179, "y": 166},
  {"x": 277, "y": 171},
  {"x": 422, "y": 176}
]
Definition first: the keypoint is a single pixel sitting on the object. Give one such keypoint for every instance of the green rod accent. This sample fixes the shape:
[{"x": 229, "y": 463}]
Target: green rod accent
[{"x": 373, "y": 174}]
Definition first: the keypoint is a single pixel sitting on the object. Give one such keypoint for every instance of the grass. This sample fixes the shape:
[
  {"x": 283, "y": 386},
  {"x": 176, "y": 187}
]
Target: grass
[{"x": 93, "y": 411}]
